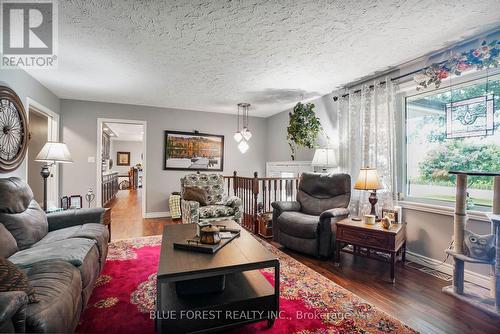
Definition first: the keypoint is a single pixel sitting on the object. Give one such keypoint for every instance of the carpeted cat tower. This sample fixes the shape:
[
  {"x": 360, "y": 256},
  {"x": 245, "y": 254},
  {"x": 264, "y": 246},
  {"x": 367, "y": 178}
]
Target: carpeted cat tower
[{"x": 472, "y": 248}]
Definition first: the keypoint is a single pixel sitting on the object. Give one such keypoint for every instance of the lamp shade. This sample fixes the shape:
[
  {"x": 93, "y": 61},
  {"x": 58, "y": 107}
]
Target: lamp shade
[
  {"x": 325, "y": 157},
  {"x": 54, "y": 152},
  {"x": 368, "y": 180}
]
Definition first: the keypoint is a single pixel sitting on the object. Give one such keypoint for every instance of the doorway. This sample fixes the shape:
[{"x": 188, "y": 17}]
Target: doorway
[
  {"x": 43, "y": 127},
  {"x": 121, "y": 174}
]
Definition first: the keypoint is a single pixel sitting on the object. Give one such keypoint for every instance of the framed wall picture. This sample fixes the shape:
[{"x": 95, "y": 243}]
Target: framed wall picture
[
  {"x": 193, "y": 151},
  {"x": 65, "y": 203},
  {"x": 75, "y": 201},
  {"x": 123, "y": 158},
  {"x": 392, "y": 214}
]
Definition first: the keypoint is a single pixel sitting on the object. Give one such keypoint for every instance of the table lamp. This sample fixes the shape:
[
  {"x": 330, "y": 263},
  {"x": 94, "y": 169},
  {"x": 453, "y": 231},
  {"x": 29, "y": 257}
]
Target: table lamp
[
  {"x": 325, "y": 158},
  {"x": 51, "y": 153},
  {"x": 368, "y": 180}
]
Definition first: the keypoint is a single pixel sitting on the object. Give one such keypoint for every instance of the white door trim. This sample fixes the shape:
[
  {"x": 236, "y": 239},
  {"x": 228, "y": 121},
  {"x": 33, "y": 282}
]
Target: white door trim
[
  {"x": 98, "y": 161},
  {"x": 53, "y": 135}
]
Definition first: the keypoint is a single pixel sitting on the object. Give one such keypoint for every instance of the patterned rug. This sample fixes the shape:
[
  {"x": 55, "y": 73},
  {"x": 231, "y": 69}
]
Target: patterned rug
[{"x": 309, "y": 303}]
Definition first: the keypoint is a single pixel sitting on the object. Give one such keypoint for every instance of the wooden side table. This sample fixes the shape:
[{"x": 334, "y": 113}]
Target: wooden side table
[
  {"x": 366, "y": 240},
  {"x": 265, "y": 225}
]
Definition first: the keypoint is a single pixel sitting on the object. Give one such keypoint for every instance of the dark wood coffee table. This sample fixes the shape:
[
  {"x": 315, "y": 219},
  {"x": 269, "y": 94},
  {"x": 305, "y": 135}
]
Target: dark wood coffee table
[{"x": 247, "y": 296}]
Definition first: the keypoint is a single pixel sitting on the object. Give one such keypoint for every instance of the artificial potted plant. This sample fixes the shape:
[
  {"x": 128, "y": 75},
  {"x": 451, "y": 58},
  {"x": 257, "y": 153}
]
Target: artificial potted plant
[{"x": 303, "y": 128}]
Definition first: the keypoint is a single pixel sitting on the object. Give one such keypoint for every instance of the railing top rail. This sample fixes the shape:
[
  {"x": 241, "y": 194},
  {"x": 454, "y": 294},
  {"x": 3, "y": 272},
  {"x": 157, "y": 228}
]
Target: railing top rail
[{"x": 262, "y": 178}]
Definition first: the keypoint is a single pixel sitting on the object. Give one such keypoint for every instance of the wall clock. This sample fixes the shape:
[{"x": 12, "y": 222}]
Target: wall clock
[{"x": 13, "y": 130}]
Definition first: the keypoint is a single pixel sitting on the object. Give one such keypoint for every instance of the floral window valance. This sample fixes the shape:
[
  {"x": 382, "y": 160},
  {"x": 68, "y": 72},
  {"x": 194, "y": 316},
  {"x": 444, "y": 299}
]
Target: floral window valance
[{"x": 485, "y": 56}]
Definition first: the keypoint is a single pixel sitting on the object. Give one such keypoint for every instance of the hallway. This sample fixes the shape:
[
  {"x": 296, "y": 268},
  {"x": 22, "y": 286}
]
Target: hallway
[{"x": 126, "y": 217}]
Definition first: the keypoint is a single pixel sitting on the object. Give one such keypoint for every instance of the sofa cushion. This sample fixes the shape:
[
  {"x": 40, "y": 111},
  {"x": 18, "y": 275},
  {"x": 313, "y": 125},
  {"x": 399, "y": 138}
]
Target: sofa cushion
[
  {"x": 8, "y": 244},
  {"x": 27, "y": 226},
  {"x": 97, "y": 232},
  {"x": 298, "y": 224},
  {"x": 59, "y": 290},
  {"x": 15, "y": 195},
  {"x": 13, "y": 279},
  {"x": 89, "y": 271},
  {"x": 214, "y": 211},
  {"x": 71, "y": 250}
]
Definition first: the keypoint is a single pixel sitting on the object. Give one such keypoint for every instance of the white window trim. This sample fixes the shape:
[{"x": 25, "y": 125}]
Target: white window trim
[
  {"x": 441, "y": 210},
  {"x": 409, "y": 89}
]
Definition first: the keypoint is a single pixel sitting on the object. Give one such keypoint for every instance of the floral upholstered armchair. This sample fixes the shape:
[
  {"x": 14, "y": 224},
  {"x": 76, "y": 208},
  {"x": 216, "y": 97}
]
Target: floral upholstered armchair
[{"x": 219, "y": 206}]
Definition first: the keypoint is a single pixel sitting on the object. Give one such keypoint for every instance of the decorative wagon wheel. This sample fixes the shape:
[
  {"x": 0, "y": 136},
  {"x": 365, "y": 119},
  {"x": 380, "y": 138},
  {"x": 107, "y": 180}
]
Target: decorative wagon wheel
[{"x": 13, "y": 130}]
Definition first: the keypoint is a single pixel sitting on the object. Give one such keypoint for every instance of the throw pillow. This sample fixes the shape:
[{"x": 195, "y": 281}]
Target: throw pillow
[
  {"x": 13, "y": 279},
  {"x": 196, "y": 194}
]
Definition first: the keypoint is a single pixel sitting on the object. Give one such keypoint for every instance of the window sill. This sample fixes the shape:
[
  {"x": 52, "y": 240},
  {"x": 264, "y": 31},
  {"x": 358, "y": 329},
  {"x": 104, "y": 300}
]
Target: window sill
[{"x": 442, "y": 210}]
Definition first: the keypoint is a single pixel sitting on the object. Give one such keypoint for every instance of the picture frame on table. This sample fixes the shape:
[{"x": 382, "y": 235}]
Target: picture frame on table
[
  {"x": 392, "y": 214},
  {"x": 65, "y": 203},
  {"x": 75, "y": 201}
]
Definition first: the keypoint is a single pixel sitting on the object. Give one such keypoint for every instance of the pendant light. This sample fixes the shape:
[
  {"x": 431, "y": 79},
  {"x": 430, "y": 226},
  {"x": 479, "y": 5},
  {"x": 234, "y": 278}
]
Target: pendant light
[{"x": 243, "y": 136}]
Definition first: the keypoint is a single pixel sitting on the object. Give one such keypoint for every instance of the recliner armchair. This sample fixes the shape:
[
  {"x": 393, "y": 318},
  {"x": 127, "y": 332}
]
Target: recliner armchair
[
  {"x": 307, "y": 225},
  {"x": 219, "y": 206}
]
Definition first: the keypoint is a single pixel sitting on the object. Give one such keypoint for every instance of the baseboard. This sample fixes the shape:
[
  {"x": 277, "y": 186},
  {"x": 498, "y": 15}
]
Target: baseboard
[
  {"x": 470, "y": 276},
  {"x": 163, "y": 214}
]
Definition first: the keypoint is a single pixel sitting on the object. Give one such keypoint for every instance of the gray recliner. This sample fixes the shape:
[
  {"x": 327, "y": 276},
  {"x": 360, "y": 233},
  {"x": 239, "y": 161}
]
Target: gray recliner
[{"x": 307, "y": 225}]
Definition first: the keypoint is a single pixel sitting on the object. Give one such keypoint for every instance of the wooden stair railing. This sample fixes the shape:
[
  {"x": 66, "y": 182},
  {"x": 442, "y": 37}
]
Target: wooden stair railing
[{"x": 263, "y": 190}]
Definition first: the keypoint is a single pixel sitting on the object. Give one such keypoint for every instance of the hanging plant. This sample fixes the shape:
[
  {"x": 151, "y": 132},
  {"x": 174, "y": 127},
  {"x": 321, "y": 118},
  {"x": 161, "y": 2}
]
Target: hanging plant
[{"x": 304, "y": 127}]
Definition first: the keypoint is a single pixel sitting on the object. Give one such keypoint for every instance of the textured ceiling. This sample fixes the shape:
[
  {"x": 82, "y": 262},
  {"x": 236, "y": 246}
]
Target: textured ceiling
[
  {"x": 210, "y": 55},
  {"x": 126, "y": 131}
]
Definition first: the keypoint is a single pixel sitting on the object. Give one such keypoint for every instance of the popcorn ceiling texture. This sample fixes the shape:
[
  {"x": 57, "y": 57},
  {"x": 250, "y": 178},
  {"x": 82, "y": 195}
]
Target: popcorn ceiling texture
[{"x": 210, "y": 55}]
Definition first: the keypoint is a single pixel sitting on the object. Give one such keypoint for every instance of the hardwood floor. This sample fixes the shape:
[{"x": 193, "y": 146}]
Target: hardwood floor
[
  {"x": 126, "y": 217},
  {"x": 415, "y": 298}
]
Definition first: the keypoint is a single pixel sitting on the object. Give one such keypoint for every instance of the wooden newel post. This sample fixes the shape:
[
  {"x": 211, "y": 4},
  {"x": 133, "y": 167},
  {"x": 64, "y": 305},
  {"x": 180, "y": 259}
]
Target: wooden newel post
[
  {"x": 235, "y": 186},
  {"x": 255, "y": 191}
]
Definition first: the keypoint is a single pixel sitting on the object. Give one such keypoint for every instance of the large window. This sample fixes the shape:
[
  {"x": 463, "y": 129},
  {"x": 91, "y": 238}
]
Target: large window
[{"x": 448, "y": 129}]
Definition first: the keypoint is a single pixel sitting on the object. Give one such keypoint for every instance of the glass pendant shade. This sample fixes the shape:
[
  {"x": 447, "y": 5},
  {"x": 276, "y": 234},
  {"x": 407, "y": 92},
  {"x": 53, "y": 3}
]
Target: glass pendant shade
[
  {"x": 238, "y": 137},
  {"x": 243, "y": 146},
  {"x": 246, "y": 134}
]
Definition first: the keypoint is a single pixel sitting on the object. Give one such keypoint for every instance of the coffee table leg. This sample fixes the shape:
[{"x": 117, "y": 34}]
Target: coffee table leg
[{"x": 270, "y": 322}]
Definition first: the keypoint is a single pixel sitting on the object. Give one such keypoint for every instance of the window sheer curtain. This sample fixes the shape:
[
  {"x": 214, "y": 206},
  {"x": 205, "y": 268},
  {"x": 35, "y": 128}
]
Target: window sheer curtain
[{"x": 367, "y": 138}]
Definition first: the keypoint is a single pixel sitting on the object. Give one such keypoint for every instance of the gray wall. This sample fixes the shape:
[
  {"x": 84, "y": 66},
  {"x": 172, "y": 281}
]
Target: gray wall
[
  {"x": 135, "y": 149},
  {"x": 39, "y": 134},
  {"x": 26, "y": 86},
  {"x": 429, "y": 234},
  {"x": 79, "y": 131}
]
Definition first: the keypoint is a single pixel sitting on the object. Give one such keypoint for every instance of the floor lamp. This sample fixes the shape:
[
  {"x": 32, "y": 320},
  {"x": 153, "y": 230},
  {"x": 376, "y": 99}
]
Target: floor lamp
[{"x": 51, "y": 153}]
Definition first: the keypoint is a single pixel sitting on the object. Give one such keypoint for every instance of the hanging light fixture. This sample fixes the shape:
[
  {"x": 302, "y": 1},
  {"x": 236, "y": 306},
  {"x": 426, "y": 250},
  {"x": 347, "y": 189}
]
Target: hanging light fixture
[{"x": 243, "y": 136}]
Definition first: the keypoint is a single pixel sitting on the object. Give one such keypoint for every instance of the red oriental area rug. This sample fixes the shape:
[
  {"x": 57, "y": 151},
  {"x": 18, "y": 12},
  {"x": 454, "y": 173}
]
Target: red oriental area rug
[{"x": 309, "y": 303}]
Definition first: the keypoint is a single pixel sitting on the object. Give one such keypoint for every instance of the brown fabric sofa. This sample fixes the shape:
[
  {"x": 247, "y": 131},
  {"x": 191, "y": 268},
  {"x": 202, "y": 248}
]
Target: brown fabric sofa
[
  {"x": 307, "y": 225},
  {"x": 62, "y": 255}
]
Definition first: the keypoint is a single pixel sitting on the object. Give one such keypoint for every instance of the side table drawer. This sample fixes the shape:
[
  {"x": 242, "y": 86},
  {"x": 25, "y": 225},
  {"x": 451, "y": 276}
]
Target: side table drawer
[{"x": 363, "y": 238}]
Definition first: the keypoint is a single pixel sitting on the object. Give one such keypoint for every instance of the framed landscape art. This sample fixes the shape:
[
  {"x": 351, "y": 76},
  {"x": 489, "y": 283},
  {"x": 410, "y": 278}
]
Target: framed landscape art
[
  {"x": 193, "y": 151},
  {"x": 123, "y": 158}
]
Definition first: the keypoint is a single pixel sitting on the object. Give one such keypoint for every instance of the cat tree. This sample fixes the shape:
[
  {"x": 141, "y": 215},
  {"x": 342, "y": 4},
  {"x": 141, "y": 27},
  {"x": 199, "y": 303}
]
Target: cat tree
[{"x": 486, "y": 300}]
